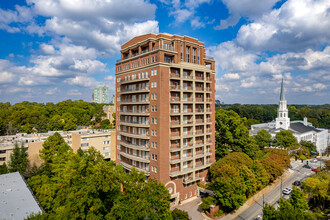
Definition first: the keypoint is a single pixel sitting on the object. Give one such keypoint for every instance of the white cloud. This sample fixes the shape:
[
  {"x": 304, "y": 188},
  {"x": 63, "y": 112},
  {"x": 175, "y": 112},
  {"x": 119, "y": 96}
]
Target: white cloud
[
  {"x": 52, "y": 91},
  {"x": 295, "y": 26},
  {"x": 319, "y": 86},
  {"x": 231, "y": 76},
  {"x": 196, "y": 23},
  {"x": 82, "y": 81},
  {"x": 250, "y": 9},
  {"x": 74, "y": 92},
  {"x": 6, "y": 77}
]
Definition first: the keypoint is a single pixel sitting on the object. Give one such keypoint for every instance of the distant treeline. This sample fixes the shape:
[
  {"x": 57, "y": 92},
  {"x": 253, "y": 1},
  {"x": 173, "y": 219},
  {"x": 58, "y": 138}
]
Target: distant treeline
[
  {"x": 318, "y": 115},
  {"x": 39, "y": 117}
]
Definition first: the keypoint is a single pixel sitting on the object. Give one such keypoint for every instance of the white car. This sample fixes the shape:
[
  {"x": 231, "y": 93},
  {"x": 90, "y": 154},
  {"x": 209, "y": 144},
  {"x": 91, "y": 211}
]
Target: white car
[
  {"x": 314, "y": 160},
  {"x": 287, "y": 191}
]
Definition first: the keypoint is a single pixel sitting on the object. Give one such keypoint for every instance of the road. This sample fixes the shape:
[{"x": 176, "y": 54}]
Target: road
[{"x": 299, "y": 173}]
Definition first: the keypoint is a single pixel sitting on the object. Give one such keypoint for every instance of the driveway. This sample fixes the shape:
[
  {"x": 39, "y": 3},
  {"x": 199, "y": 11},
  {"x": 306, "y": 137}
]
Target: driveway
[{"x": 193, "y": 209}]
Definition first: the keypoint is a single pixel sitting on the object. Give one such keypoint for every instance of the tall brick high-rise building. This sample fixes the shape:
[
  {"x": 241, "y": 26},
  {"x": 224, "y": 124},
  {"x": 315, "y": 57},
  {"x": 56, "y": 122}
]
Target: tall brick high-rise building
[{"x": 166, "y": 111}]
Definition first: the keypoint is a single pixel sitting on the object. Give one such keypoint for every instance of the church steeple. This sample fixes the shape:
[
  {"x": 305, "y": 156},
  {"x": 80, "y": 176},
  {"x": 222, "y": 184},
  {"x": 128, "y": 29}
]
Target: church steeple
[
  {"x": 282, "y": 97},
  {"x": 282, "y": 120}
]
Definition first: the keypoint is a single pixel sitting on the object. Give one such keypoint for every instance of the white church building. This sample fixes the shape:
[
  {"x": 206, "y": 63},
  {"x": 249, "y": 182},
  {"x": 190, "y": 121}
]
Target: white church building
[{"x": 302, "y": 130}]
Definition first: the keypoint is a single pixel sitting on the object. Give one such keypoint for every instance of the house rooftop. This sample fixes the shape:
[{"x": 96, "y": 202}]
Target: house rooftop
[{"x": 16, "y": 200}]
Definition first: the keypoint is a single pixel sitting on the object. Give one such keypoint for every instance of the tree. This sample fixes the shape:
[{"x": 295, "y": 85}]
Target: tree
[
  {"x": 105, "y": 124},
  {"x": 263, "y": 139},
  {"x": 19, "y": 159},
  {"x": 308, "y": 145},
  {"x": 298, "y": 200},
  {"x": 285, "y": 139},
  {"x": 141, "y": 200},
  {"x": 318, "y": 186},
  {"x": 178, "y": 214},
  {"x": 3, "y": 169},
  {"x": 207, "y": 202},
  {"x": 232, "y": 134},
  {"x": 229, "y": 187}
]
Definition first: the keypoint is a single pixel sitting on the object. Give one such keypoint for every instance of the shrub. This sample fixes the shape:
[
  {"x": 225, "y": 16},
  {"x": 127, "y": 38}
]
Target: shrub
[
  {"x": 178, "y": 214},
  {"x": 207, "y": 202}
]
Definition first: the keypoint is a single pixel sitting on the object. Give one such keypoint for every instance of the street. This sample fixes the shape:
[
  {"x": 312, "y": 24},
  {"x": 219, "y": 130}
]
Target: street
[{"x": 299, "y": 173}]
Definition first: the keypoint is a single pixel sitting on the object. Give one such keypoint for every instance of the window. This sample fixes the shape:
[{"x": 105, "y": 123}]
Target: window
[
  {"x": 181, "y": 52},
  {"x": 155, "y": 157},
  {"x": 118, "y": 146},
  {"x": 198, "y": 56},
  {"x": 155, "y": 72},
  {"x": 106, "y": 142},
  {"x": 84, "y": 139},
  {"x": 106, "y": 154},
  {"x": 106, "y": 148},
  {"x": 155, "y": 146},
  {"x": 155, "y": 169},
  {"x": 118, "y": 79},
  {"x": 118, "y": 137},
  {"x": 188, "y": 54},
  {"x": 85, "y": 145}
]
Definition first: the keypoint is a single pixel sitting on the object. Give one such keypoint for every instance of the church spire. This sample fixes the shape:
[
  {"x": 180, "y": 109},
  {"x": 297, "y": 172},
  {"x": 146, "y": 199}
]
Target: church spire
[{"x": 282, "y": 97}]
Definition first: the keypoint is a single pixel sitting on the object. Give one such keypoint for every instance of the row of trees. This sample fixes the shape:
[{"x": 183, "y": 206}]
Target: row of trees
[
  {"x": 232, "y": 135},
  {"x": 83, "y": 185},
  {"x": 31, "y": 116},
  {"x": 236, "y": 177},
  {"x": 319, "y": 115}
]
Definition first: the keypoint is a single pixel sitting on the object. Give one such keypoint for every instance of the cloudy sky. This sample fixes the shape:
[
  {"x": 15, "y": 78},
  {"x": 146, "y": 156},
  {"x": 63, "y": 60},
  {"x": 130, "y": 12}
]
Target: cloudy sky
[{"x": 52, "y": 50}]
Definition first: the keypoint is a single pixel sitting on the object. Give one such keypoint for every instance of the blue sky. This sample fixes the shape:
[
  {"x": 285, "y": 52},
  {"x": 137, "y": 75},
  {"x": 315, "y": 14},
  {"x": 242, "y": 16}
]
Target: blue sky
[{"x": 52, "y": 50}]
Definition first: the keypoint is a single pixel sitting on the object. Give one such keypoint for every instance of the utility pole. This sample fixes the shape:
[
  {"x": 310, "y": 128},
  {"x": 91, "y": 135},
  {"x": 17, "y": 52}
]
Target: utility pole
[
  {"x": 263, "y": 200},
  {"x": 281, "y": 187}
]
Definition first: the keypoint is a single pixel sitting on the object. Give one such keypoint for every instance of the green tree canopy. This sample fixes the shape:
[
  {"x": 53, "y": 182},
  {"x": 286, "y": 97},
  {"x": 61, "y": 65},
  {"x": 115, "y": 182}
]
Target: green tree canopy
[
  {"x": 232, "y": 134},
  {"x": 285, "y": 139},
  {"x": 18, "y": 159},
  {"x": 263, "y": 139}
]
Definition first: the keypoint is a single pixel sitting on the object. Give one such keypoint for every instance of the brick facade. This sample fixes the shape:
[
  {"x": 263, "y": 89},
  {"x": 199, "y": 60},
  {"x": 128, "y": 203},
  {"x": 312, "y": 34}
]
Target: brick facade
[{"x": 165, "y": 88}]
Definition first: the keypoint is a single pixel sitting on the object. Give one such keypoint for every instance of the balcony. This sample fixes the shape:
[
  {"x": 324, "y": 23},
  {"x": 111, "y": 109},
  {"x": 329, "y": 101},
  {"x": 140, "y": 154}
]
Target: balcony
[
  {"x": 199, "y": 132},
  {"x": 190, "y": 99},
  {"x": 142, "y": 136},
  {"x": 187, "y": 110},
  {"x": 208, "y": 79},
  {"x": 187, "y": 88},
  {"x": 131, "y": 112},
  {"x": 175, "y": 148},
  {"x": 129, "y": 167},
  {"x": 187, "y": 122},
  {"x": 199, "y": 77},
  {"x": 199, "y": 100},
  {"x": 135, "y": 157},
  {"x": 137, "y": 79},
  {"x": 187, "y": 77},
  {"x": 137, "y": 101},
  {"x": 134, "y": 90},
  {"x": 135, "y": 124},
  {"x": 175, "y": 99},
  {"x": 136, "y": 147},
  {"x": 208, "y": 100},
  {"x": 199, "y": 121},
  {"x": 208, "y": 110},
  {"x": 175, "y": 111},
  {"x": 174, "y": 87},
  {"x": 175, "y": 123},
  {"x": 198, "y": 88},
  {"x": 173, "y": 75}
]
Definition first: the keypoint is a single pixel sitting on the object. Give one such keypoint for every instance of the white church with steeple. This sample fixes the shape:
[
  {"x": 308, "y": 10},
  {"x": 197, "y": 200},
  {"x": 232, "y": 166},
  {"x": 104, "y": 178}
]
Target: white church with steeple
[
  {"x": 282, "y": 120},
  {"x": 302, "y": 130}
]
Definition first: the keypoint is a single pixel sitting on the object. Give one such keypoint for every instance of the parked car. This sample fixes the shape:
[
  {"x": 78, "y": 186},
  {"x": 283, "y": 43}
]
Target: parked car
[
  {"x": 308, "y": 166},
  {"x": 314, "y": 170},
  {"x": 296, "y": 183},
  {"x": 314, "y": 160},
  {"x": 287, "y": 191}
]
